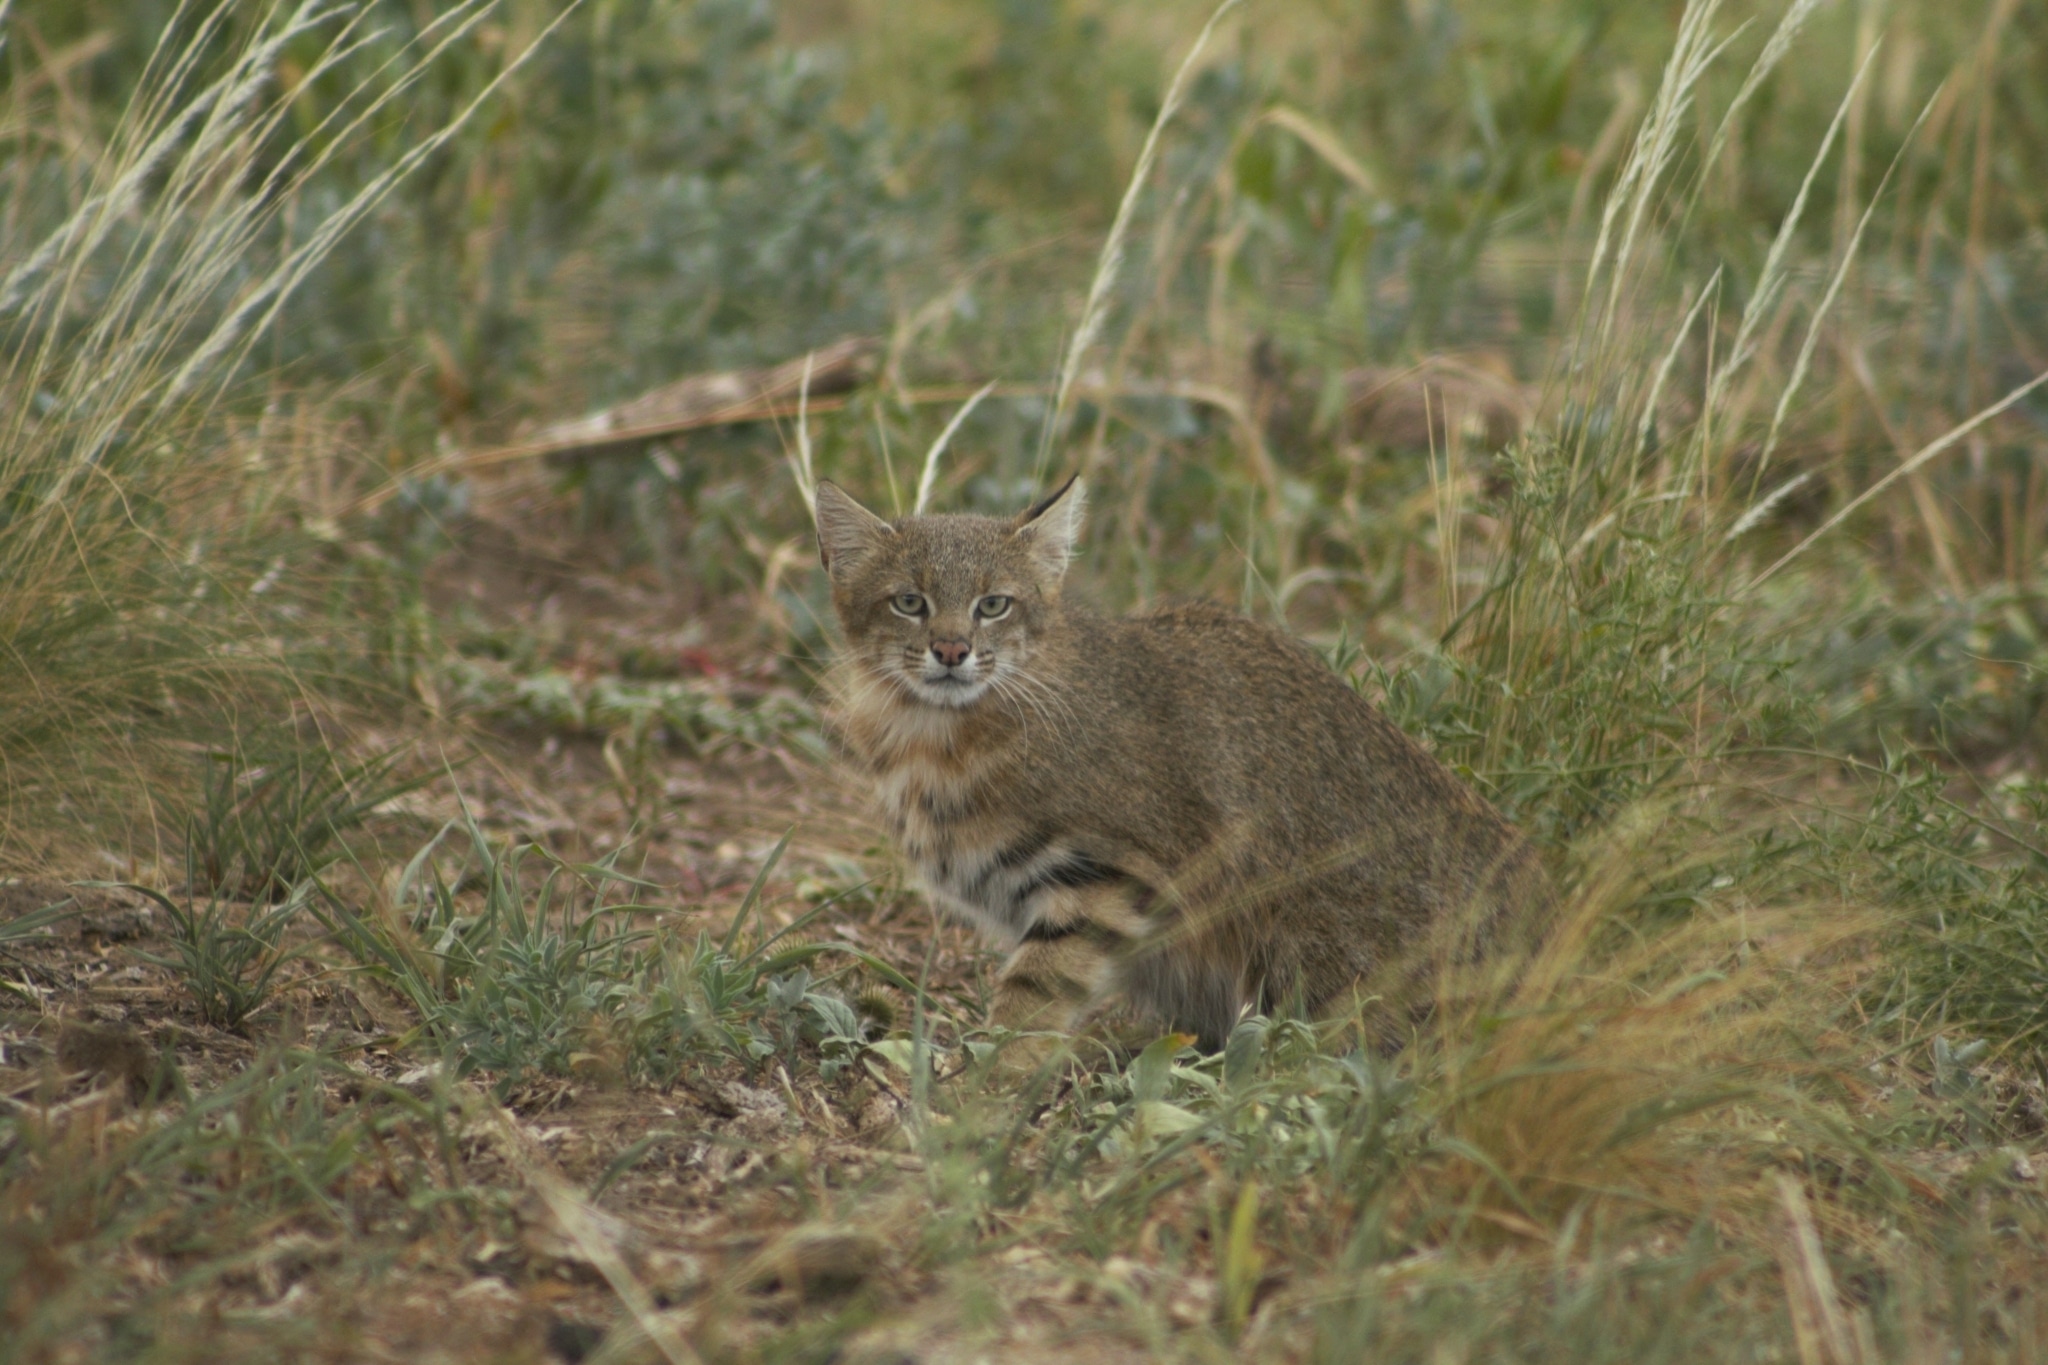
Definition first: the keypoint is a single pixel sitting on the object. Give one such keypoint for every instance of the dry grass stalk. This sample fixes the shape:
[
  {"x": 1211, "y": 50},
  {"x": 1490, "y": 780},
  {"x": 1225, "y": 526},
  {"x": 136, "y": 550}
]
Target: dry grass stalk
[
  {"x": 1821, "y": 1328},
  {"x": 1110, "y": 265}
]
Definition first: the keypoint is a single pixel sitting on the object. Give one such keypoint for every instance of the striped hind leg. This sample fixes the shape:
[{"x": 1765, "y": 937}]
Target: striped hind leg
[{"x": 1071, "y": 956}]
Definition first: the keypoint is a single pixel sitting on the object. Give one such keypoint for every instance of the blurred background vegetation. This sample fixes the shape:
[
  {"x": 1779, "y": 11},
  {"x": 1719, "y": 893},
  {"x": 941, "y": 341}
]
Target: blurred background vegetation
[
  {"x": 1349, "y": 193},
  {"x": 1416, "y": 347}
]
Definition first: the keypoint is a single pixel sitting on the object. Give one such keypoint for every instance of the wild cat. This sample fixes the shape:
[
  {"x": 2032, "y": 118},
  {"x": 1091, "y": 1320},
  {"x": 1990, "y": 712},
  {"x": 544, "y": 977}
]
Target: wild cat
[{"x": 1182, "y": 805}]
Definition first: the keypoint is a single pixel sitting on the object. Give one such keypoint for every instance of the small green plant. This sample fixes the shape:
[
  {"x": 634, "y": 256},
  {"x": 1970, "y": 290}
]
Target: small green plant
[
  {"x": 1975, "y": 955},
  {"x": 701, "y": 717},
  {"x": 529, "y": 988},
  {"x": 226, "y": 954},
  {"x": 32, "y": 924},
  {"x": 751, "y": 1001},
  {"x": 515, "y": 984},
  {"x": 508, "y": 986},
  {"x": 266, "y": 824}
]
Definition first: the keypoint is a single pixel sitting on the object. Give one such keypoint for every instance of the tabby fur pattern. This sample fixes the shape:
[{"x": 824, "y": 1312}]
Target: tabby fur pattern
[{"x": 1182, "y": 806}]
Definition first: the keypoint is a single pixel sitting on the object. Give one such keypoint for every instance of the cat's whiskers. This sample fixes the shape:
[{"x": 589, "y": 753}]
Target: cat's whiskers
[
  {"x": 1028, "y": 688},
  {"x": 1025, "y": 678},
  {"x": 1022, "y": 705}
]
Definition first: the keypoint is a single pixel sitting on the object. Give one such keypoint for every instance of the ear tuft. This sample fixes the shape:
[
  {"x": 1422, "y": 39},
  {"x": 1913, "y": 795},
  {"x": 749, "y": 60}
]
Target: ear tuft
[
  {"x": 1052, "y": 525},
  {"x": 846, "y": 530}
]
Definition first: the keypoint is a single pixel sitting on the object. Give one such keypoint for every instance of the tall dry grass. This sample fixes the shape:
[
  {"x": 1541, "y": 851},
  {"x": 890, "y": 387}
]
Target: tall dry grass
[{"x": 148, "y": 267}]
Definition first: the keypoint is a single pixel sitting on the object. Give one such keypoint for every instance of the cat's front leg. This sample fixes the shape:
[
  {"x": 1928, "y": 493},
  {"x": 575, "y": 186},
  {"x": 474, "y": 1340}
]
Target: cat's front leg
[{"x": 1068, "y": 961}]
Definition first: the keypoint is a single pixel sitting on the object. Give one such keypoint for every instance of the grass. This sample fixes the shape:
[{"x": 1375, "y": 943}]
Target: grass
[
  {"x": 227, "y": 955},
  {"x": 559, "y": 982},
  {"x": 648, "y": 1050},
  {"x": 264, "y": 827},
  {"x": 142, "y": 279}
]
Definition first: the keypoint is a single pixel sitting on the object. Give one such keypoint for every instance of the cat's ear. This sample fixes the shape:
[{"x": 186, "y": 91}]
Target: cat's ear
[
  {"x": 846, "y": 530},
  {"x": 1051, "y": 526}
]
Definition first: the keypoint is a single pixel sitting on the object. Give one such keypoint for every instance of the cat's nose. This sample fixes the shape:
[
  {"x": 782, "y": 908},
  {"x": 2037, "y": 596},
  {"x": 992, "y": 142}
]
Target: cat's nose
[{"x": 951, "y": 653}]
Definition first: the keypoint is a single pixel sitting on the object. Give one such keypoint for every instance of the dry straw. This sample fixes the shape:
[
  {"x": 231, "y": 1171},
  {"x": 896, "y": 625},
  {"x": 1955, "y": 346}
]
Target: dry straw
[
  {"x": 1110, "y": 264},
  {"x": 120, "y": 349}
]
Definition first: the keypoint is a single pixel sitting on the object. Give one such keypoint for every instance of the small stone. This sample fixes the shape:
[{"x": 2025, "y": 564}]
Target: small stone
[
  {"x": 114, "y": 1051},
  {"x": 420, "y": 1081},
  {"x": 488, "y": 1287},
  {"x": 543, "y": 1236},
  {"x": 672, "y": 1276},
  {"x": 818, "y": 1263}
]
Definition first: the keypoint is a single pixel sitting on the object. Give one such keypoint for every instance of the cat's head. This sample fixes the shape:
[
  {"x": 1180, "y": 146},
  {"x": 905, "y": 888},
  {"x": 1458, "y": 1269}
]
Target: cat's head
[{"x": 943, "y": 609}]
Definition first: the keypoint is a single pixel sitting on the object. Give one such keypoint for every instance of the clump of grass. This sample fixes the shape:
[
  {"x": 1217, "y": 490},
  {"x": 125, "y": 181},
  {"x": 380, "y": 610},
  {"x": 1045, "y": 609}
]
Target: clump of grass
[
  {"x": 226, "y": 954},
  {"x": 35, "y": 923},
  {"x": 1973, "y": 958},
  {"x": 1636, "y": 1055},
  {"x": 503, "y": 983},
  {"x": 560, "y": 980},
  {"x": 262, "y": 831},
  {"x": 267, "y": 822},
  {"x": 714, "y": 1001}
]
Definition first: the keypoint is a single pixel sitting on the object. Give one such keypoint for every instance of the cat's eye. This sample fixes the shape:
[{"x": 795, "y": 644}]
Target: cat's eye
[
  {"x": 992, "y": 608},
  {"x": 907, "y": 604}
]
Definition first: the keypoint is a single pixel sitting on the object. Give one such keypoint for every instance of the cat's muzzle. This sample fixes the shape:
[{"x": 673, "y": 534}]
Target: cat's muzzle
[{"x": 951, "y": 685}]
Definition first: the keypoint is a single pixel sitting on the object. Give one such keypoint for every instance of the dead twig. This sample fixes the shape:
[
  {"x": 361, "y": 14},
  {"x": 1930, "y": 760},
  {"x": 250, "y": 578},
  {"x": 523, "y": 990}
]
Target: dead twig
[{"x": 612, "y": 427}]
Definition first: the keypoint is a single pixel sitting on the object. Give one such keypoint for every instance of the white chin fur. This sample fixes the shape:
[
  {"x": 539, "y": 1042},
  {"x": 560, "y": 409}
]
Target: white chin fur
[{"x": 955, "y": 694}]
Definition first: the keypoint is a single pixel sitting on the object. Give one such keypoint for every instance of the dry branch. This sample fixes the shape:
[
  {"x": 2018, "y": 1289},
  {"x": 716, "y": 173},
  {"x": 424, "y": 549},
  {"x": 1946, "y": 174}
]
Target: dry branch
[
  {"x": 769, "y": 394},
  {"x": 707, "y": 400}
]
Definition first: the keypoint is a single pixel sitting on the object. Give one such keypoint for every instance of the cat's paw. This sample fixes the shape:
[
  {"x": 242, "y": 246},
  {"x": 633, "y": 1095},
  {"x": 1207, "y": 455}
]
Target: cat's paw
[{"x": 1014, "y": 1058}]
